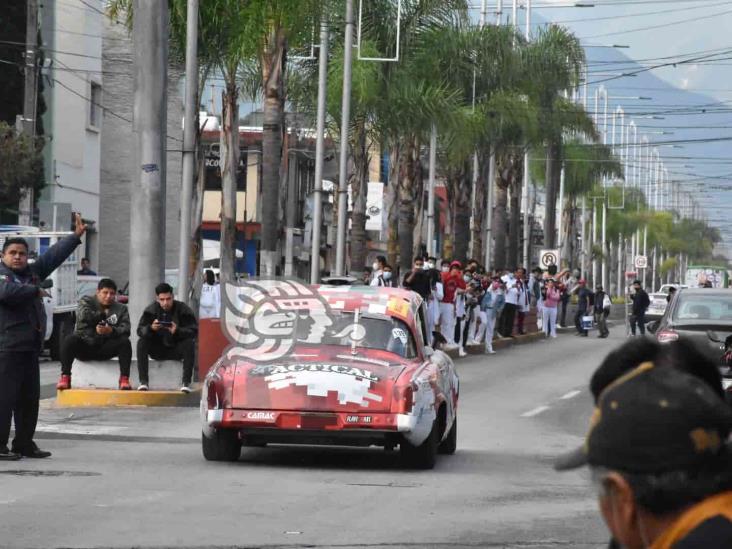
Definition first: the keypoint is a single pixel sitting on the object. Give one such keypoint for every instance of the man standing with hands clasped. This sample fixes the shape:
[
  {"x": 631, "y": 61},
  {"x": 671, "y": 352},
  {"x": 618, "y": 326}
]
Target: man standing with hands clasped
[{"x": 22, "y": 330}]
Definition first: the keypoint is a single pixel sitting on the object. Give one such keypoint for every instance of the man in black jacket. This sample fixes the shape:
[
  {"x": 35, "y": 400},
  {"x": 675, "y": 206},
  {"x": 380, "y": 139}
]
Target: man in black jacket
[
  {"x": 102, "y": 331},
  {"x": 641, "y": 302},
  {"x": 22, "y": 329},
  {"x": 167, "y": 331}
]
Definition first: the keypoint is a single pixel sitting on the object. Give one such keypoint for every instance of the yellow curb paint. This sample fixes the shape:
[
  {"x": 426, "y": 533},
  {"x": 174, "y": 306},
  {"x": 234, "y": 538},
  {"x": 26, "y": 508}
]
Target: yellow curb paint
[{"x": 102, "y": 398}]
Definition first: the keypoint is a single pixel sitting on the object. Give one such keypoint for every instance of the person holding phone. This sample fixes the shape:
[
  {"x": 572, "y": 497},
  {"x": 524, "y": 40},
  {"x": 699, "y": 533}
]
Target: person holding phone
[
  {"x": 102, "y": 331},
  {"x": 167, "y": 331}
]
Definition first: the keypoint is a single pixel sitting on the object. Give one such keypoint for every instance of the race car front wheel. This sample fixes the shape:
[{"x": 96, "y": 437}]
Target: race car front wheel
[
  {"x": 449, "y": 445},
  {"x": 224, "y": 445},
  {"x": 422, "y": 456}
]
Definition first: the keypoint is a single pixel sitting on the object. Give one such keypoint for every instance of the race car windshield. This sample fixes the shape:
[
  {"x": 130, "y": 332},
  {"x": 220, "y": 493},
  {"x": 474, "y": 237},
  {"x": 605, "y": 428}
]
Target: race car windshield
[{"x": 365, "y": 332}]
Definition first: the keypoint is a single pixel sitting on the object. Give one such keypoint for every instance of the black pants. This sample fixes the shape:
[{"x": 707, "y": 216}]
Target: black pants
[
  {"x": 563, "y": 315},
  {"x": 20, "y": 389},
  {"x": 578, "y": 321},
  {"x": 508, "y": 316},
  {"x": 640, "y": 321},
  {"x": 182, "y": 350},
  {"x": 75, "y": 347}
]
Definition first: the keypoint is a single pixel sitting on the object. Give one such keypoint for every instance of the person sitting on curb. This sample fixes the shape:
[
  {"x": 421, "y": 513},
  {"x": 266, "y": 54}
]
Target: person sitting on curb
[
  {"x": 167, "y": 331},
  {"x": 672, "y": 486},
  {"x": 102, "y": 331}
]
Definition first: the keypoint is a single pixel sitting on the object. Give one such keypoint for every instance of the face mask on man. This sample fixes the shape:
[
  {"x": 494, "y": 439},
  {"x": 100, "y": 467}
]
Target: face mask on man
[
  {"x": 387, "y": 275},
  {"x": 429, "y": 265},
  {"x": 375, "y": 266},
  {"x": 467, "y": 278},
  {"x": 445, "y": 268}
]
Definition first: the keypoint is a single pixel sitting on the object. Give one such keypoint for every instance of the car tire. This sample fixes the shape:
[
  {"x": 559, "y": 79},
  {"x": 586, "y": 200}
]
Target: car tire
[
  {"x": 422, "y": 456},
  {"x": 224, "y": 445},
  {"x": 449, "y": 445}
]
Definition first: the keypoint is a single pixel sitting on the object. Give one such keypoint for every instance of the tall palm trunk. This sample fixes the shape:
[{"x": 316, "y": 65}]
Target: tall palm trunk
[
  {"x": 514, "y": 221},
  {"x": 359, "y": 190},
  {"x": 553, "y": 167},
  {"x": 461, "y": 221},
  {"x": 273, "y": 74},
  {"x": 507, "y": 165},
  {"x": 392, "y": 203},
  {"x": 479, "y": 211},
  {"x": 228, "y": 163},
  {"x": 410, "y": 170},
  {"x": 569, "y": 221}
]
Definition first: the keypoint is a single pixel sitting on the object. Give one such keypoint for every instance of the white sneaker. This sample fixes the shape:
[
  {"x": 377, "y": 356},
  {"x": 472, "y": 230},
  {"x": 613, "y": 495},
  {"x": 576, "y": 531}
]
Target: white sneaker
[
  {"x": 185, "y": 389},
  {"x": 490, "y": 351},
  {"x": 143, "y": 387},
  {"x": 462, "y": 352},
  {"x": 554, "y": 336},
  {"x": 450, "y": 346}
]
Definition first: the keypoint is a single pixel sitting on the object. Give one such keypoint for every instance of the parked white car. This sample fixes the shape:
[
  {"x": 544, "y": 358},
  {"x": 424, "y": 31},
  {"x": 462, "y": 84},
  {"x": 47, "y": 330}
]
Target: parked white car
[{"x": 659, "y": 301}]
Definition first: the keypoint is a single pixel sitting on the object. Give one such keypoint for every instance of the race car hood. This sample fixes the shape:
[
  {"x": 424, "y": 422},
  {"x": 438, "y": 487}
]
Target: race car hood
[{"x": 322, "y": 379}]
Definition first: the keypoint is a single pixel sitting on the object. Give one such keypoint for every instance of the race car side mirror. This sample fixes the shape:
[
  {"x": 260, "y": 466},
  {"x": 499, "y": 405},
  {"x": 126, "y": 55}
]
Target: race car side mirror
[{"x": 428, "y": 351}]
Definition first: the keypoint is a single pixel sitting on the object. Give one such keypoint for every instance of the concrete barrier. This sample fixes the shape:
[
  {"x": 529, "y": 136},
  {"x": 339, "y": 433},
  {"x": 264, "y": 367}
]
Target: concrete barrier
[{"x": 104, "y": 374}]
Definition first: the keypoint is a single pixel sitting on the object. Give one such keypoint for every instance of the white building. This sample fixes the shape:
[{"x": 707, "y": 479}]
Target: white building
[{"x": 73, "y": 91}]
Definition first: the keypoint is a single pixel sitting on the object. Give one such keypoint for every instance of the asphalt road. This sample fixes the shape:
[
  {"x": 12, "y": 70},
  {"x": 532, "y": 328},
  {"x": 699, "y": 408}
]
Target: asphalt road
[{"x": 136, "y": 477}]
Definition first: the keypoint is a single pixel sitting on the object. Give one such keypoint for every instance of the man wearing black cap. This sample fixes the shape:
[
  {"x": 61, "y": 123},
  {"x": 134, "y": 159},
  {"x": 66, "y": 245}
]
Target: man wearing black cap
[{"x": 656, "y": 449}]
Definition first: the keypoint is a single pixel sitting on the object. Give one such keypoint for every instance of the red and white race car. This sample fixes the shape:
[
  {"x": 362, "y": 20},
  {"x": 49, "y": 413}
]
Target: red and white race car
[{"x": 336, "y": 365}]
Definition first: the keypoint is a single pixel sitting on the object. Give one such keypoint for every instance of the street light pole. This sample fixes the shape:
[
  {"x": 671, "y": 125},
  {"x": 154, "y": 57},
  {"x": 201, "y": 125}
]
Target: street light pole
[
  {"x": 189, "y": 151},
  {"x": 30, "y": 99},
  {"x": 319, "y": 145},
  {"x": 345, "y": 123}
]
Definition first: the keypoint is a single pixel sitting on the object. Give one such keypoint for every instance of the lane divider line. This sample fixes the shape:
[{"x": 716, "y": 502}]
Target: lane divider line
[
  {"x": 569, "y": 395},
  {"x": 535, "y": 412}
]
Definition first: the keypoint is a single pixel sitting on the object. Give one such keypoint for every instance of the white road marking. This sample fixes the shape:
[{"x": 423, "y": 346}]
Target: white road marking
[
  {"x": 535, "y": 411},
  {"x": 569, "y": 395}
]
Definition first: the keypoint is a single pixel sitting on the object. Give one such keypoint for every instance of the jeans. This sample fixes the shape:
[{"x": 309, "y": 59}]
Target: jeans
[
  {"x": 182, "y": 350},
  {"x": 20, "y": 390},
  {"x": 549, "y": 321},
  {"x": 565, "y": 302},
  {"x": 75, "y": 347},
  {"x": 640, "y": 321},
  {"x": 489, "y": 329}
]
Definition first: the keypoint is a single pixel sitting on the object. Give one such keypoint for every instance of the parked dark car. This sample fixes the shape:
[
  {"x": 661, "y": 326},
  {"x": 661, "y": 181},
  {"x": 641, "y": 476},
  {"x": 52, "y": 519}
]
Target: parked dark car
[{"x": 703, "y": 316}]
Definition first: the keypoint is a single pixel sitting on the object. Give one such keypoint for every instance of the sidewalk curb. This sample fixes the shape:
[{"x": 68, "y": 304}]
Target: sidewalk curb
[{"x": 500, "y": 344}]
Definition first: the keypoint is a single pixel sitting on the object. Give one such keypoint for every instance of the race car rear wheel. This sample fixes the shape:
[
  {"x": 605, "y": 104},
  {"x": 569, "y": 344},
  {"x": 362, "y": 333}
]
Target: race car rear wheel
[
  {"x": 449, "y": 445},
  {"x": 422, "y": 456},
  {"x": 224, "y": 445}
]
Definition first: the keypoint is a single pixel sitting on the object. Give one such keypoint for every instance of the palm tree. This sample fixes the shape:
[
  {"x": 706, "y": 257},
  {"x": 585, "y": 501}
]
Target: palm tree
[{"x": 553, "y": 63}]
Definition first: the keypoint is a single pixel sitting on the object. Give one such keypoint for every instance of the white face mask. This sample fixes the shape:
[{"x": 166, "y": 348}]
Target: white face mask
[
  {"x": 387, "y": 275},
  {"x": 445, "y": 269},
  {"x": 375, "y": 266},
  {"x": 467, "y": 278},
  {"x": 429, "y": 265}
]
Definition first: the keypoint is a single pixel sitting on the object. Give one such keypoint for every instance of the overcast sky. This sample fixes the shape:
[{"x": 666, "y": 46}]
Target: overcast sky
[{"x": 697, "y": 35}]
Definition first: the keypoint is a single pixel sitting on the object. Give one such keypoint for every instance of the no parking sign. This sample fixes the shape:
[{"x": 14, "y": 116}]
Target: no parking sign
[{"x": 548, "y": 258}]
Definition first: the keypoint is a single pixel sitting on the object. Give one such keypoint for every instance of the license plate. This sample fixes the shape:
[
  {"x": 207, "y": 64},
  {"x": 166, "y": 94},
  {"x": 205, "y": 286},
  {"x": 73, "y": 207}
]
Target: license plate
[{"x": 726, "y": 383}]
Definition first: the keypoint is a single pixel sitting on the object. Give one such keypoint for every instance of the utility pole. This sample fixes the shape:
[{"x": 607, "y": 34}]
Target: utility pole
[
  {"x": 340, "y": 262},
  {"x": 319, "y": 144},
  {"x": 147, "y": 205},
  {"x": 431, "y": 194},
  {"x": 189, "y": 151},
  {"x": 30, "y": 99}
]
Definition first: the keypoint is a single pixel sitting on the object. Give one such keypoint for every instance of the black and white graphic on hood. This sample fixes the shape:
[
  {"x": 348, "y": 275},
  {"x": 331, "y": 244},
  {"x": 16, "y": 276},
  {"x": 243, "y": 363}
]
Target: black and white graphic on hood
[
  {"x": 352, "y": 384},
  {"x": 112, "y": 320},
  {"x": 260, "y": 318}
]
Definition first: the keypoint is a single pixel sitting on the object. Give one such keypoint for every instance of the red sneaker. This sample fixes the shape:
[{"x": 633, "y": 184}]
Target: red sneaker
[
  {"x": 124, "y": 383},
  {"x": 64, "y": 382}
]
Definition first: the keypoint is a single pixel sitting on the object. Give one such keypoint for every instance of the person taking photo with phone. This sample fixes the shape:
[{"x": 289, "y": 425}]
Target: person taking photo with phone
[{"x": 167, "y": 331}]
